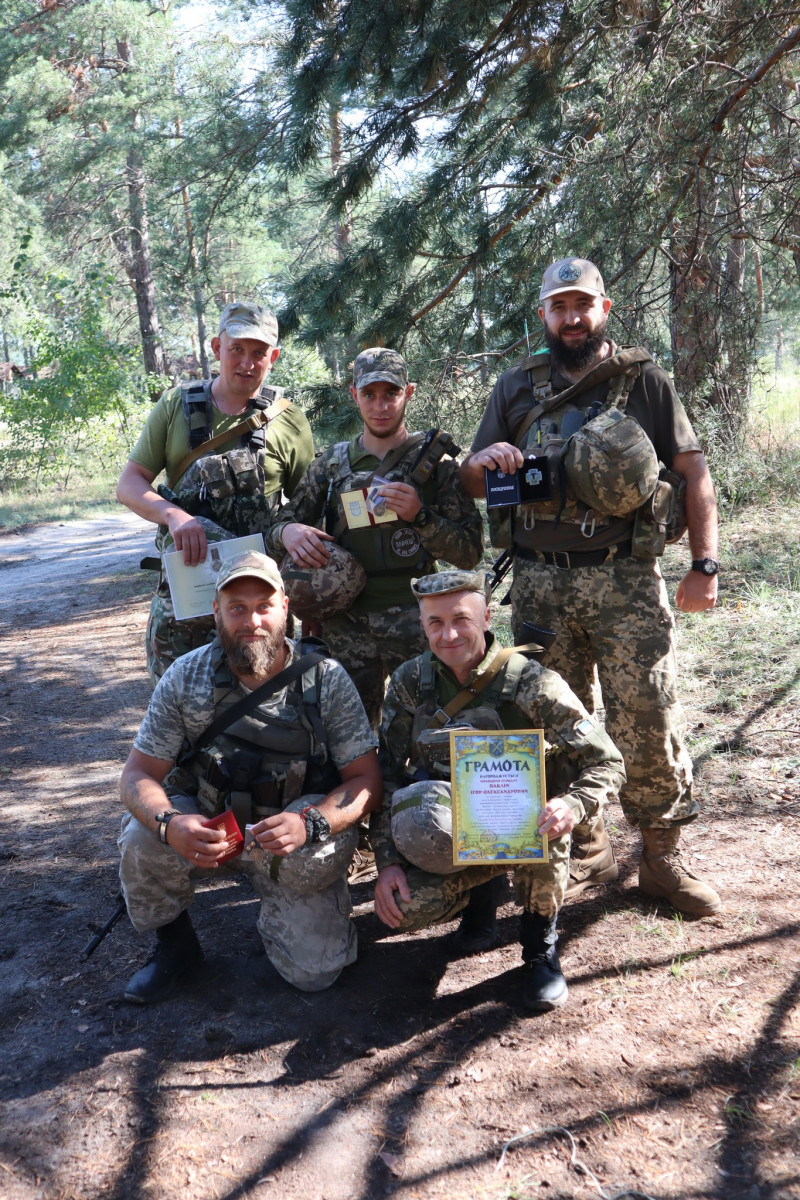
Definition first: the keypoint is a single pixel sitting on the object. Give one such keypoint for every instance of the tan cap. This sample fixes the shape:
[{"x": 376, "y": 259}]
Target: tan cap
[
  {"x": 452, "y": 581},
  {"x": 572, "y": 275},
  {"x": 249, "y": 321},
  {"x": 252, "y": 564}
]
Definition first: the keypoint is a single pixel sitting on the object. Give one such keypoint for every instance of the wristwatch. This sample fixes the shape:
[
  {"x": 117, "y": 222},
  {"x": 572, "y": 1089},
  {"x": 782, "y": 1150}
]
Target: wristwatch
[
  {"x": 706, "y": 566},
  {"x": 423, "y": 518},
  {"x": 317, "y": 828},
  {"x": 163, "y": 819}
]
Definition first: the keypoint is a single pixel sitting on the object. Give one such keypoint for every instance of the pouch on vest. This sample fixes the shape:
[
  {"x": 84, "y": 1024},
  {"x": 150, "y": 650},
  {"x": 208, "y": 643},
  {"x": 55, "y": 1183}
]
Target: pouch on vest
[
  {"x": 662, "y": 519},
  {"x": 611, "y": 464}
]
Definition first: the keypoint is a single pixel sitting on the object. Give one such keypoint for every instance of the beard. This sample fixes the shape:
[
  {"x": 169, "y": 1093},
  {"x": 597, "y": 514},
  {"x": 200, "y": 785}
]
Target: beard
[
  {"x": 251, "y": 658},
  {"x": 575, "y": 358}
]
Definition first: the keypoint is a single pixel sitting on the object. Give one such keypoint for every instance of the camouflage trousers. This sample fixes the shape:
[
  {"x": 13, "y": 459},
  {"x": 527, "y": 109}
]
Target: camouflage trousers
[
  {"x": 309, "y": 937},
  {"x": 370, "y": 646},
  {"x": 617, "y": 616},
  {"x": 437, "y": 898}
]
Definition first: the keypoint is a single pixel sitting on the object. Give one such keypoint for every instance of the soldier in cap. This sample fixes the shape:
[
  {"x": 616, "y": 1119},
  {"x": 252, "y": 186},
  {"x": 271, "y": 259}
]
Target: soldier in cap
[
  {"x": 298, "y": 768},
  {"x": 586, "y": 542},
  {"x": 465, "y": 679},
  {"x": 394, "y": 501},
  {"x": 224, "y": 478}
]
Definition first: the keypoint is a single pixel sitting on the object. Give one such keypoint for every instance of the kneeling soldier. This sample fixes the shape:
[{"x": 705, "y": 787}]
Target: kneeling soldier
[
  {"x": 468, "y": 677},
  {"x": 297, "y": 762}
]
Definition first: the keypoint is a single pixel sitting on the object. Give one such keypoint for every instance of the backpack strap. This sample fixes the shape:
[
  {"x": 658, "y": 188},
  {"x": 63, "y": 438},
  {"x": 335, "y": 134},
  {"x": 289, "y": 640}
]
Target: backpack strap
[{"x": 256, "y": 420}]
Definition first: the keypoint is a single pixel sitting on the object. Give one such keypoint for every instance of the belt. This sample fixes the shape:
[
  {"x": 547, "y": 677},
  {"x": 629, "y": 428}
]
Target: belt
[{"x": 575, "y": 558}]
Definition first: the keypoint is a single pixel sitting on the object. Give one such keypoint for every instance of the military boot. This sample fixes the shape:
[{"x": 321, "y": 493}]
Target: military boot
[
  {"x": 177, "y": 952},
  {"x": 478, "y": 928},
  {"x": 544, "y": 987},
  {"x": 664, "y": 876},
  {"x": 591, "y": 859}
]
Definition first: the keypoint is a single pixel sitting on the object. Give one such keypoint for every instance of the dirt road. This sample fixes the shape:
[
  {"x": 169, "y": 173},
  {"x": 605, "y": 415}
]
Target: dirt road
[{"x": 673, "y": 1072}]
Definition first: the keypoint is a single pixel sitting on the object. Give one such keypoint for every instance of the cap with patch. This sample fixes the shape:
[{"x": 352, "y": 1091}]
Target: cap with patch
[
  {"x": 379, "y": 364},
  {"x": 252, "y": 565},
  {"x": 444, "y": 582},
  {"x": 249, "y": 321},
  {"x": 572, "y": 275}
]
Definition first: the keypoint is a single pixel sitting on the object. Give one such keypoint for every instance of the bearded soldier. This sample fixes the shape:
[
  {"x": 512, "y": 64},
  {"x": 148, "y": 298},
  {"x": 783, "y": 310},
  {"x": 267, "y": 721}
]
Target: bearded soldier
[
  {"x": 466, "y": 680},
  {"x": 229, "y": 446},
  {"x": 279, "y": 736},
  {"x": 602, "y": 449},
  {"x": 393, "y": 501}
]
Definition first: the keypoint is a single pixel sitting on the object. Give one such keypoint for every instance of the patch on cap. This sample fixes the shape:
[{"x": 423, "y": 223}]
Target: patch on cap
[
  {"x": 253, "y": 565},
  {"x": 378, "y": 364},
  {"x": 452, "y": 581},
  {"x": 572, "y": 274}
]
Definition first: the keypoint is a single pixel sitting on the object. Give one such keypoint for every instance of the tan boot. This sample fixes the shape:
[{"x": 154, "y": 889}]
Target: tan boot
[
  {"x": 664, "y": 876},
  {"x": 591, "y": 860}
]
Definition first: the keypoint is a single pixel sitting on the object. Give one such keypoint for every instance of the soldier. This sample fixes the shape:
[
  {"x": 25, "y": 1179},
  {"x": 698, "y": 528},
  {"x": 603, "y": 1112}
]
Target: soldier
[
  {"x": 299, "y": 765},
  {"x": 465, "y": 679},
  {"x": 227, "y": 475},
  {"x": 423, "y": 514},
  {"x": 585, "y": 544}
]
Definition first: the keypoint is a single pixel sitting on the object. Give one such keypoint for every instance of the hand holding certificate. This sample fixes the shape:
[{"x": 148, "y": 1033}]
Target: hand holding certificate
[{"x": 498, "y": 791}]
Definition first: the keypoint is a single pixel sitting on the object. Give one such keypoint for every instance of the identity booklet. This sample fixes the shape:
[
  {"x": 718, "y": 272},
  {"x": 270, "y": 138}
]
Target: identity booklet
[{"x": 193, "y": 588}]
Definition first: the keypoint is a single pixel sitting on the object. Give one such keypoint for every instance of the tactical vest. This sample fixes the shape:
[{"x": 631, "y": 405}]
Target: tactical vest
[
  {"x": 395, "y": 547},
  {"x": 257, "y": 767},
  {"x": 498, "y": 700},
  {"x": 228, "y": 488},
  {"x": 548, "y": 436}
]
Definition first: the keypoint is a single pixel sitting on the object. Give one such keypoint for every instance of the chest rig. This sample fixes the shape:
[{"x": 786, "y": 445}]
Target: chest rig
[
  {"x": 396, "y": 546},
  {"x": 228, "y": 488},
  {"x": 259, "y": 764}
]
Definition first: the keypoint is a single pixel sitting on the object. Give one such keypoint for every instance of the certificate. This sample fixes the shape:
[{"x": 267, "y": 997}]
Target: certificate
[
  {"x": 498, "y": 790},
  {"x": 193, "y": 588}
]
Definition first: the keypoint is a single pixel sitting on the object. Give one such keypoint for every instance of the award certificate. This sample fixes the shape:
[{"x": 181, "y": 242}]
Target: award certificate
[
  {"x": 193, "y": 588},
  {"x": 498, "y": 790}
]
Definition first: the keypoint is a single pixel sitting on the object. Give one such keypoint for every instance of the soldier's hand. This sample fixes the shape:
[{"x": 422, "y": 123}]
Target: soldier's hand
[
  {"x": 281, "y": 834},
  {"x": 556, "y": 818},
  {"x": 402, "y": 499},
  {"x": 194, "y": 841},
  {"x": 188, "y": 535},
  {"x": 500, "y": 456},
  {"x": 390, "y": 883},
  {"x": 306, "y": 544},
  {"x": 696, "y": 592}
]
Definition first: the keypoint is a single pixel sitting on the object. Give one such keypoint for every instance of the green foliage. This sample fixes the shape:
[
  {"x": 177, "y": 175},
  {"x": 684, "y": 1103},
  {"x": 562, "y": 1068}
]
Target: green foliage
[{"x": 84, "y": 392}]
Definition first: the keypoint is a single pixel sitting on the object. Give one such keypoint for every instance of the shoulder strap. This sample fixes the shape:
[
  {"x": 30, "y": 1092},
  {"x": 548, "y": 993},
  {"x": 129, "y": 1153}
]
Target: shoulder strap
[
  {"x": 443, "y": 715},
  {"x": 618, "y": 364},
  {"x": 247, "y": 703},
  {"x": 254, "y": 421}
]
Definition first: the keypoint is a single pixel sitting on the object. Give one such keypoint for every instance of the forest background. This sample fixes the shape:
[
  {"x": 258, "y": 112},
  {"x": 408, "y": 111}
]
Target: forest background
[{"x": 396, "y": 174}]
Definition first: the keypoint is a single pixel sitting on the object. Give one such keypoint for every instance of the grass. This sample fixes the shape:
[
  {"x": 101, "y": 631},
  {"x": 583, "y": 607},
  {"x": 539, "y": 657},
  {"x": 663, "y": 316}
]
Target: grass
[{"x": 83, "y": 497}]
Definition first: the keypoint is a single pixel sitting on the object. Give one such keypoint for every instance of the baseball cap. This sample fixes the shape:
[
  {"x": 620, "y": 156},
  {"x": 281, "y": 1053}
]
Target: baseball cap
[
  {"x": 379, "y": 364},
  {"x": 252, "y": 564},
  {"x": 572, "y": 275},
  {"x": 240, "y": 320},
  {"x": 452, "y": 581}
]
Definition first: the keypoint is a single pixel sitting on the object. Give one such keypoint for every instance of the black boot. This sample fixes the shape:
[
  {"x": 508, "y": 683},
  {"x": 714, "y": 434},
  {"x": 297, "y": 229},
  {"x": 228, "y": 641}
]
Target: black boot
[
  {"x": 178, "y": 951},
  {"x": 478, "y": 929},
  {"x": 544, "y": 987}
]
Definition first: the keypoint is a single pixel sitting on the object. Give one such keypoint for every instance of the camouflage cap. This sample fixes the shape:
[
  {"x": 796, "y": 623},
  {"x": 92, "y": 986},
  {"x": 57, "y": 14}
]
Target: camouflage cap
[
  {"x": 452, "y": 581},
  {"x": 252, "y": 564},
  {"x": 241, "y": 320},
  {"x": 379, "y": 364},
  {"x": 572, "y": 275}
]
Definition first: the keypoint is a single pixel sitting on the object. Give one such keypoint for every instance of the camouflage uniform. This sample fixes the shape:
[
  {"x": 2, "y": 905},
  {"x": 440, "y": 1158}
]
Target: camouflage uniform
[
  {"x": 304, "y": 915},
  {"x": 583, "y": 766},
  {"x": 613, "y": 613},
  {"x": 381, "y": 627},
  {"x": 233, "y": 491}
]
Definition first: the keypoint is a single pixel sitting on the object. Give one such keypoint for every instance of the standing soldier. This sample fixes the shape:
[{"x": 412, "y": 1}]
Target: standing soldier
[
  {"x": 593, "y": 423},
  {"x": 394, "y": 502},
  {"x": 229, "y": 447}
]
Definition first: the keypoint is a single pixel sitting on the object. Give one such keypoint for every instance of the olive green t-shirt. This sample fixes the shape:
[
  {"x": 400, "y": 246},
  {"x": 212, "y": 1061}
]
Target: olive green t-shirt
[{"x": 164, "y": 442}]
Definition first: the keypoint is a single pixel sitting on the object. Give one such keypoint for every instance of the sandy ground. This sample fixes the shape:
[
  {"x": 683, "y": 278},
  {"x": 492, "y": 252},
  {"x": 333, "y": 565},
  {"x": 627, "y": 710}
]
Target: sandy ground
[{"x": 673, "y": 1072}]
